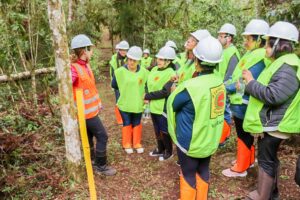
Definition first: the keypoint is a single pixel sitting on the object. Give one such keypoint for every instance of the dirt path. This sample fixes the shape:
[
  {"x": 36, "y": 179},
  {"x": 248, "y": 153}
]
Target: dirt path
[{"x": 143, "y": 177}]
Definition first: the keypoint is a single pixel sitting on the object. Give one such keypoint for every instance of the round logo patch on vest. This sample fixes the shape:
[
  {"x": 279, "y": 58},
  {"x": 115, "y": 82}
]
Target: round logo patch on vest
[
  {"x": 217, "y": 101},
  {"x": 140, "y": 81},
  {"x": 156, "y": 78}
]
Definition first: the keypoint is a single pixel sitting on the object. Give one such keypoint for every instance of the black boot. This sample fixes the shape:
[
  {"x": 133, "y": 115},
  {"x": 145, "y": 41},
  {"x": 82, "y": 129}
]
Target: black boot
[
  {"x": 168, "y": 153},
  {"x": 92, "y": 154},
  {"x": 101, "y": 165},
  {"x": 158, "y": 151}
]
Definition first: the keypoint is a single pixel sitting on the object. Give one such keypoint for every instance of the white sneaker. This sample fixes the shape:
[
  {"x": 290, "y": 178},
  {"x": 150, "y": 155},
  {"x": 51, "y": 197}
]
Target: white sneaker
[
  {"x": 229, "y": 173},
  {"x": 140, "y": 150},
  {"x": 251, "y": 166},
  {"x": 129, "y": 150}
]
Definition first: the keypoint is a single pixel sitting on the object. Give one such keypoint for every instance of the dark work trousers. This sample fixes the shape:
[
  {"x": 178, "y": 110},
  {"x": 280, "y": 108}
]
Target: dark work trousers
[
  {"x": 190, "y": 166},
  {"x": 267, "y": 158},
  {"x": 160, "y": 124},
  {"x": 131, "y": 118},
  {"x": 267, "y": 154},
  {"x": 117, "y": 94},
  {"x": 96, "y": 129},
  {"x": 246, "y": 137}
]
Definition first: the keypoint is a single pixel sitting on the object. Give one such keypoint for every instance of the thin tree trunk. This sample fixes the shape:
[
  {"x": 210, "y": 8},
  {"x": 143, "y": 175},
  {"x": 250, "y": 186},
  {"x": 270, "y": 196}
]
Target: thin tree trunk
[
  {"x": 70, "y": 14},
  {"x": 68, "y": 111},
  {"x": 24, "y": 75}
]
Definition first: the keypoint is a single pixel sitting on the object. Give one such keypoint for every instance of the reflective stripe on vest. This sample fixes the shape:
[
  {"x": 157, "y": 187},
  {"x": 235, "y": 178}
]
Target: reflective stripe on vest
[{"x": 86, "y": 82}]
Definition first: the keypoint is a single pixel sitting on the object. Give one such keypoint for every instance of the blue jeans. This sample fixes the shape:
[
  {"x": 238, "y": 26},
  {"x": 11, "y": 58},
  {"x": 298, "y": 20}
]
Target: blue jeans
[{"x": 131, "y": 118}]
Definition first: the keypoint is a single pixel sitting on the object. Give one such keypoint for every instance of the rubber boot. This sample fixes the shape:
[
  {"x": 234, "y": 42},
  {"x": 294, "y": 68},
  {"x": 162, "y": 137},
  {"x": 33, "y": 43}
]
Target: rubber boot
[
  {"x": 252, "y": 161},
  {"x": 168, "y": 153},
  {"x": 202, "y": 188},
  {"x": 225, "y": 133},
  {"x": 137, "y": 138},
  {"x": 264, "y": 188},
  {"x": 275, "y": 192},
  {"x": 186, "y": 191},
  {"x": 127, "y": 138},
  {"x": 243, "y": 161},
  {"x": 101, "y": 166},
  {"x": 118, "y": 115},
  {"x": 239, "y": 169}
]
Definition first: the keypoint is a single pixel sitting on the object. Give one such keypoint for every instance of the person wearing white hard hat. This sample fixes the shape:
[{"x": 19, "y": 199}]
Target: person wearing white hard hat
[
  {"x": 159, "y": 88},
  {"x": 83, "y": 78},
  {"x": 273, "y": 110},
  {"x": 255, "y": 61},
  {"x": 187, "y": 68},
  {"x": 179, "y": 56},
  {"x": 195, "y": 112},
  {"x": 146, "y": 59},
  {"x": 118, "y": 60},
  {"x": 231, "y": 57},
  {"x": 130, "y": 80}
]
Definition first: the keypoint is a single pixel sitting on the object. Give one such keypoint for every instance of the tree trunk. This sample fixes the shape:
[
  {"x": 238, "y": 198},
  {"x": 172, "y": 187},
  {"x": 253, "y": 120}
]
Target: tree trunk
[
  {"x": 68, "y": 111},
  {"x": 26, "y": 74},
  {"x": 70, "y": 14}
]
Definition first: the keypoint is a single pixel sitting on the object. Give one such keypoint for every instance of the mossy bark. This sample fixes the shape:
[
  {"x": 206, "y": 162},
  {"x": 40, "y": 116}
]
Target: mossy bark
[{"x": 67, "y": 107}]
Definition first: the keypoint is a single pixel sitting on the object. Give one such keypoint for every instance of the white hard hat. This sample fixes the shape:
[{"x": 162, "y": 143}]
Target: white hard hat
[
  {"x": 146, "y": 51},
  {"x": 80, "y": 41},
  {"x": 209, "y": 50},
  {"x": 123, "y": 45},
  {"x": 200, "y": 34},
  {"x": 166, "y": 52},
  {"x": 256, "y": 27},
  {"x": 228, "y": 28},
  {"x": 171, "y": 43},
  {"x": 284, "y": 30},
  {"x": 135, "y": 53}
]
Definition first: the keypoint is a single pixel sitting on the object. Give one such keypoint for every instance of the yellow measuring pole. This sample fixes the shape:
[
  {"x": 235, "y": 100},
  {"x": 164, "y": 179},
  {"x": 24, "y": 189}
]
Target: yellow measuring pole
[{"x": 85, "y": 144}]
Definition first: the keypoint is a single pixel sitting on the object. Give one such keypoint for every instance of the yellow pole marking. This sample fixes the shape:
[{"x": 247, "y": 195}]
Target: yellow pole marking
[{"x": 85, "y": 144}]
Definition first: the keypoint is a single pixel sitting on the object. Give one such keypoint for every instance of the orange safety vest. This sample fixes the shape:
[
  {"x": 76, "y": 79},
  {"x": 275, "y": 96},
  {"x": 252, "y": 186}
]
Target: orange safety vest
[{"x": 86, "y": 82}]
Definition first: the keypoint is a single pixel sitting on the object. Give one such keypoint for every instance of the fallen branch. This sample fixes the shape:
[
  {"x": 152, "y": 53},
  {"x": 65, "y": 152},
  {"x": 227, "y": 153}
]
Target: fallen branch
[{"x": 24, "y": 75}]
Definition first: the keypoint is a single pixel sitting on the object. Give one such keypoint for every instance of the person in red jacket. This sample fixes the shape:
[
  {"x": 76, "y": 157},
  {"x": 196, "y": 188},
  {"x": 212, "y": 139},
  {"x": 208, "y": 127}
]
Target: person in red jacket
[{"x": 83, "y": 78}]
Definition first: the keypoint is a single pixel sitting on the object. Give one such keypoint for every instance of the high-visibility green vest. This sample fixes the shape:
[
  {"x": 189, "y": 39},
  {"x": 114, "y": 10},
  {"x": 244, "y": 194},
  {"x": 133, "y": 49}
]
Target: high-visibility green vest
[
  {"x": 132, "y": 89},
  {"x": 156, "y": 81},
  {"x": 180, "y": 59},
  {"x": 247, "y": 61},
  {"x": 146, "y": 62},
  {"x": 115, "y": 63},
  {"x": 291, "y": 120},
  {"x": 208, "y": 96},
  {"x": 227, "y": 54},
  {"x": 186, "y": 71}
]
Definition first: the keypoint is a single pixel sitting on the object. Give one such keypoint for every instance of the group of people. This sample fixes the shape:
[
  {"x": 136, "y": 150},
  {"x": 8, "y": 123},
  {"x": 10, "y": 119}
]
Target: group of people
[{"x": 193, "y": 97}]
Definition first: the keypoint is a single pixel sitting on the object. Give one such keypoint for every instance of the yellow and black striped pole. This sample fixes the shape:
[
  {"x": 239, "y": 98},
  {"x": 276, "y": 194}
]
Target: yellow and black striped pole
[{"x": 85, "y": 144}]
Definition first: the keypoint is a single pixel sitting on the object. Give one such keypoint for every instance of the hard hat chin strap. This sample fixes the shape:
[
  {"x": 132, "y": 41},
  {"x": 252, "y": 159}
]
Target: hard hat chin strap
[{"x": 274, "y": 46}]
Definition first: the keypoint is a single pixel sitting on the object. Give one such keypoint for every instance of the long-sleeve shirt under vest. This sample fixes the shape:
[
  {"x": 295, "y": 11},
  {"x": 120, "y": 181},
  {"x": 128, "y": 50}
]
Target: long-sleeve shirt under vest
[
  {"x": 74, "y": 72},
  {"x": 185, "y": 114},
  {"x": 240, "y": 110},
  {"x": 164, "y": 93},
  {"x": 114, "y": 83},
  {"x": 120, "y": 63},
  {"x": 277, "y": 95}
]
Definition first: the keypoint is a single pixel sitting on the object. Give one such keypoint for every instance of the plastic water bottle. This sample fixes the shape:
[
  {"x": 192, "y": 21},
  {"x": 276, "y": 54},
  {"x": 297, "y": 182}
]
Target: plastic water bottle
[
  {"x": 146, "y": 114},
  {"x": 241, "y": 90},
  {"x": 228, "y": 81}
]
